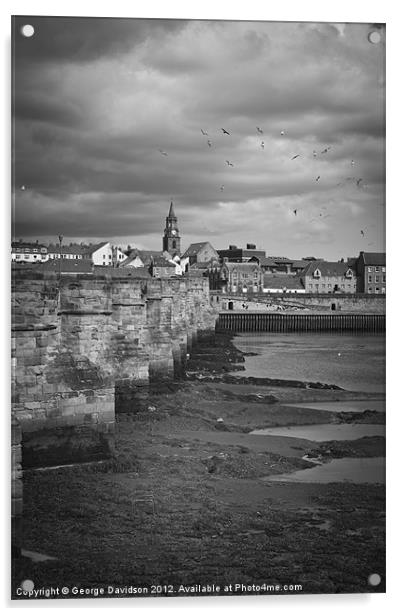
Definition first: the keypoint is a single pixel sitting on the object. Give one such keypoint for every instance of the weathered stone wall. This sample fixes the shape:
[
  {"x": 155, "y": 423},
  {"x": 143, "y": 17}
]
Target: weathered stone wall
[
  {"x": 85, "y": 346},
  {"x": 16, "y": 486}
]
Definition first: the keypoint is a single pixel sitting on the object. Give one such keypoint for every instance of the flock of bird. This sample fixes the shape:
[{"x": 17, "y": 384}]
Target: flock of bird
[{"x": 353, "y": 180}]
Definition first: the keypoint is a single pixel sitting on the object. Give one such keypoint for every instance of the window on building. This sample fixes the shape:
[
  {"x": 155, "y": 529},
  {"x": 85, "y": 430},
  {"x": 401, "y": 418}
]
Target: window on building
[
  {"x": 18, "y": 256},
  {"x": 377, "y": 289},
  {"x": 369, "y": 269},
  {"x": 383, "y": 289},
  {"x": 383, "y": 278},
  {"x": 370, "y": 290},
  {"x": 370, "y": 279},
  {"x": 383, "y": 269},
  {"x": 377, "y": 269},
  {"x": 377, "y": 279}
]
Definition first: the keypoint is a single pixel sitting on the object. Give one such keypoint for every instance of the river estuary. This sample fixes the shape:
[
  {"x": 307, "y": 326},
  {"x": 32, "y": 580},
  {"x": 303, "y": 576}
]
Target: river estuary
[{"x": 353, "y": 362}]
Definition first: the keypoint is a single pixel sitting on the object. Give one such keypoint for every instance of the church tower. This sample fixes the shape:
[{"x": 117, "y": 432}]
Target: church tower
[{"x": 171, "y": 238}]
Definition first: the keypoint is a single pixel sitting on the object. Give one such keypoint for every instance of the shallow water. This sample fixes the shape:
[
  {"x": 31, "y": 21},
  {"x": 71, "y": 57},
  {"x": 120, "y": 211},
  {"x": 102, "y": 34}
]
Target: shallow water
[
  {"x": 344, "y": 406},
  {"x": 351, "y": 361},
  {"x": 354, "y": 470},
  {"x": 325, "y": 432}
]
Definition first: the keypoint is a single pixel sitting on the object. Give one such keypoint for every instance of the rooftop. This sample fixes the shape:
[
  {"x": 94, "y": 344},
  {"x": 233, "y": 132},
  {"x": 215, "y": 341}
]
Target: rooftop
[
  {"x": 373, "y": 258},
  {"x": 67, "y": 266},
  {"x": 194, "y": 249},
  {"x": 327, "y": 268},
  {"x": 240, "y": 266},
  {"x": 282, "y": 282}
]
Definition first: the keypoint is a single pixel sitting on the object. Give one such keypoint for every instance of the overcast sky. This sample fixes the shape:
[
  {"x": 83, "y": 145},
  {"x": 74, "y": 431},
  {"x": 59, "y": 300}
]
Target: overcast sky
[{"x": 109, "y": 117}]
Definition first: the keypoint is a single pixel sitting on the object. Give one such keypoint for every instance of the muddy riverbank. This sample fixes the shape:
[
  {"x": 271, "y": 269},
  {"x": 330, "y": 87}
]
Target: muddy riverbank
[{"x": 186, "y": 501}]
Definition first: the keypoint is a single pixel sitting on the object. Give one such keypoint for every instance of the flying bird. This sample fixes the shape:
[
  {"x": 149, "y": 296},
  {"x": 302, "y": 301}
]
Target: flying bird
[
  {"x": 260, "y": 130},
  {"x": 295, "y": 212},
  {"x": 317, "y": 178},
  {"x": 262, "y": 144},
  {"x": 314, "y": 154},
  {"x": 222, "y": 187},
  {"x": 362, "y": 233},
  {"x": 225, "y": 132},
  {"x": 282, "y": 132},
  {"x": 326, "y": 150},
  {"x": 23, "y": 188},
  {"x": 229, "y": 163},
  {"x": 162, "y": 152},
  {"x": 293, "y": 157},
  {"x": 358, "y": 182},
  {"x": 209, "y": 142},
  {"x": 352, "y": 163},
  {"x": 204, "y": 132}
]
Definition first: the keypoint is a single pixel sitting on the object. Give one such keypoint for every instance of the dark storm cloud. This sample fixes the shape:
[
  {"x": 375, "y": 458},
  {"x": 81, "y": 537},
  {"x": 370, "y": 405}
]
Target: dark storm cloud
[
  {"x": 80, "y": 39},
  {"x": 91, "y": 214},
  {"x": 38, "y": 106},
  {"x": 95, "y": 112}
]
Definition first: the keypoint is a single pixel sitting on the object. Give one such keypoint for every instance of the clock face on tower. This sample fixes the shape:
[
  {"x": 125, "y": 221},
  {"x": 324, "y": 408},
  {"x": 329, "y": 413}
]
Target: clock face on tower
[{"x": 174, "y": 232}]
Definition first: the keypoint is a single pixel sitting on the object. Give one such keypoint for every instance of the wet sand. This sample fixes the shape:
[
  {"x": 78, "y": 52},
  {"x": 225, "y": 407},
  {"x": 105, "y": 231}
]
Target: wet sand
[{"x": 185, "y": 498}]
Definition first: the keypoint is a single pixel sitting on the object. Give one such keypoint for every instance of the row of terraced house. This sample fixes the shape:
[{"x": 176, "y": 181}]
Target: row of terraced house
[{"x": 261, "y": 274}]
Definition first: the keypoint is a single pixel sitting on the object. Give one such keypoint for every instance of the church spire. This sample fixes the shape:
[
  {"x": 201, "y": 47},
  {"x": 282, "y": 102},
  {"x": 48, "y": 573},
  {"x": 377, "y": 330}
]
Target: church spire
[{"x": 171, "y": 211}]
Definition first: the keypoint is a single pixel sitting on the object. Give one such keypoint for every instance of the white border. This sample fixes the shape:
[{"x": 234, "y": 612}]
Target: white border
[{"x": 285, "y": 10}]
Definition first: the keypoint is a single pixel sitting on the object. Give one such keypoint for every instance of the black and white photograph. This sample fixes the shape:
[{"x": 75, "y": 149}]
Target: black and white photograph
[{"x": 198, "y": 305}]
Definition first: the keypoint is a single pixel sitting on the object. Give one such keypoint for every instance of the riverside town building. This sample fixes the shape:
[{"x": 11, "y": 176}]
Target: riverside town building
[{"x": 232, "y": 270}]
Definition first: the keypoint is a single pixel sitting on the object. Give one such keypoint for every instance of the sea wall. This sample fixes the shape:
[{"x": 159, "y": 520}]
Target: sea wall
[
  {"x": 286, "y": 322},
  {"x": 348, "y": 302},
  {"x": 87, "y": 346}
]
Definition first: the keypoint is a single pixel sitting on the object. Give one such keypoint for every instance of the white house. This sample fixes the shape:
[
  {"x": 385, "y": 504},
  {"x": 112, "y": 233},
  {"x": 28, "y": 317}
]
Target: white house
[
  {"x": 105, "y": 254},
  {"x": 73, "y": 251},
  {"x": 28, "y": 252}
]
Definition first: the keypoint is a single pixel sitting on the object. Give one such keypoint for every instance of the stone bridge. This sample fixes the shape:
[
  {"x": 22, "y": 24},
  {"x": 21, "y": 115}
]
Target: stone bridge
[{"x": 85, "y": 346}]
